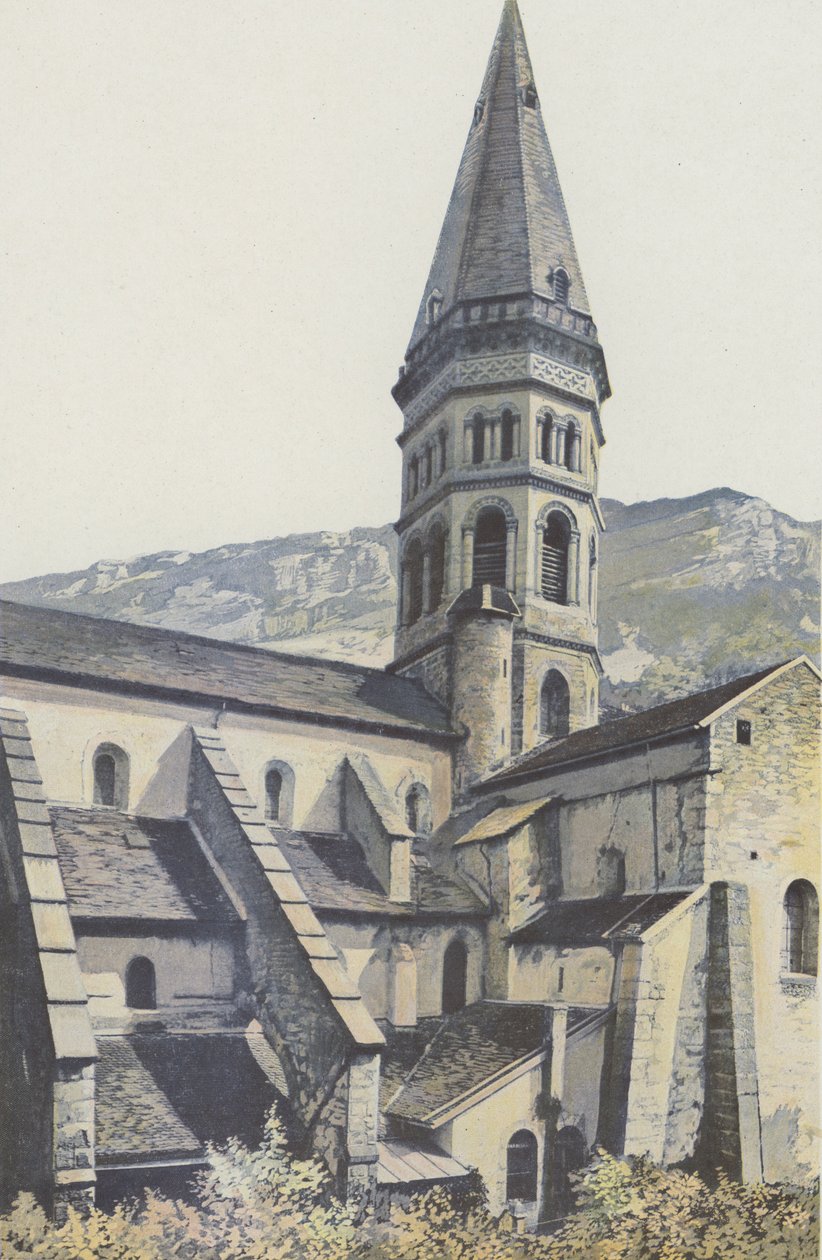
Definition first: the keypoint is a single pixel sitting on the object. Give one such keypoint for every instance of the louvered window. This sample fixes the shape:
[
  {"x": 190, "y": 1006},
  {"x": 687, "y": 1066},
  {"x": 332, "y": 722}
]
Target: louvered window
[
  {"x": 489, "y": 548},
  {"x": 507, "y": 444},
  {"x": 562, "y": 283},
  {"x": 555, "y": 539}
]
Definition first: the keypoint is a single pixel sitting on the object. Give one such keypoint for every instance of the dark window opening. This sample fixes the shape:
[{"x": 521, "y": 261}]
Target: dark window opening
[
  {"x": 562, "y": 285},
  {"x": 111, "y": 773},
  {"x": 507, "y": 443},
  {"x": 413, "y": 477},
  {"x": 443, "y": 451},
  {"x": 141, "y": 991},
  {"x": 556, "y": 538},
  {"x": 490, "y": 537},
  {"x": 611, "y": 873},
  {"x": 530, "y": 96},
  {"x": 429, "y": 465},
  {"x": 545, "y": 451},
  {"x": 477, "y": 440},
  {"x": 273, "y": 795},
  {"x": 554, "y": 706},
  {"x": 743, "y": 732},
  {"x": 571, "y": 449},
  {"x": 414, "y": 578},
  {"x": 437, "y": 571},
  {"x": 521, "y": 1179},
  {"x": 454, "y": 977},
  {"x": 479, "y": 111},
  {"x": 418, "y": 809},
  {"x": 801, "y": 927}
]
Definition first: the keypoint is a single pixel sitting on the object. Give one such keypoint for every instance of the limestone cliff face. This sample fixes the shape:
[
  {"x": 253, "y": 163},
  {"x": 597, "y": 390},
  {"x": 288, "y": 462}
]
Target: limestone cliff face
[{"x": 691, "y": 591}]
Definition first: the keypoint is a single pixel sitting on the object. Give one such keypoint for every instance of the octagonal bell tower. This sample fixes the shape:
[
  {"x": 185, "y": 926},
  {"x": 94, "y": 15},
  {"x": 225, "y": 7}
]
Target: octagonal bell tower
[{"x": 501, "y": 392}]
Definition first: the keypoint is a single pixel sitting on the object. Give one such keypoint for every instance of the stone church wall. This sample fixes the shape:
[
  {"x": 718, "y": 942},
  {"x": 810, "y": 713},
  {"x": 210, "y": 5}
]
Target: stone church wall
[{"x": 763, "y": 832}]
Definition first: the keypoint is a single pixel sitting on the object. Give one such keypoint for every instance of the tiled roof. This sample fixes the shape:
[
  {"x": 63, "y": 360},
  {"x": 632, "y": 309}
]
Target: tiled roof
[
  {"x": 467, "y": 1049},
  {"x": 664, "y": 719},
  {"x": 334, "y": 874},
  {"x": 503, "y": 819},
  {"x": 506, "y": 227},
  {"x": 165, "y": 1095},
  {"x": 116, "y": 866},
  {"x": 44, "y": 642},
  {"x": 595, "y": 920}
]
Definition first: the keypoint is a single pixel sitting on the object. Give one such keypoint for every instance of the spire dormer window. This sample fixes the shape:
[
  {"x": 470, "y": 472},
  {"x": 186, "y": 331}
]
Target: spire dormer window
[
  {"x": 479, "y": 112},
  {"x": 529, "y": 96},
  {"x": 433, "y": 307},
  {"x": 562, "y": 285}
]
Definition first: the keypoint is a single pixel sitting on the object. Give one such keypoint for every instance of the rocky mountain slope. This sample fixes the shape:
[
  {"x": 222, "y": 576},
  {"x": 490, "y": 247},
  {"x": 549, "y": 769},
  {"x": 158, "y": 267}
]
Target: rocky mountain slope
[{"x": 692, "y": 591}]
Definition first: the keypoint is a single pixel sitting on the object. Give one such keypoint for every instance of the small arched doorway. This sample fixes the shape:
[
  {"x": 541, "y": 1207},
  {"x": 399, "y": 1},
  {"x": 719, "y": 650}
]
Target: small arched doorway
[{"x": 569, "y": 1156}]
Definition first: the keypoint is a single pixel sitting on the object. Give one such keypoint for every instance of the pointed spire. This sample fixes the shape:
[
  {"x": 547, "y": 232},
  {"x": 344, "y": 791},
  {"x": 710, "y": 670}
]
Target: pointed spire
[{"x": 506, "y": 229}]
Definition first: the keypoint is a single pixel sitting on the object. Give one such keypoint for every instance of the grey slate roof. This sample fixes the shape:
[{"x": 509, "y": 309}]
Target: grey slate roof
[
  {"x": 334, "y": 874},
  {"x": 115, "y": 655},
  {"x": 596, "y": 920},
  {"x": 506, "y": 226},
  {"x": 116, "y": 866},
  {"x": 663, "y": 719},
  {"x": 164, "y": 1095},
  {"x": 440, "y": 1064}
]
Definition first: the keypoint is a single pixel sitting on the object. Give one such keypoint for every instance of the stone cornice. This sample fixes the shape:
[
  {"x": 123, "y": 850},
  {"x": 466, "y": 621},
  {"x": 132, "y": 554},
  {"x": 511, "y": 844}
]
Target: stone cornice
[
  {"x": 523, "y": 336},
  {"x": 571, "y": 645},
  {"x": 453, "y": 483}
]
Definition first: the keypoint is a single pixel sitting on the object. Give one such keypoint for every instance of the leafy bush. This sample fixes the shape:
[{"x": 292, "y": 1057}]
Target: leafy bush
[{"x": 267, "y": 1205}]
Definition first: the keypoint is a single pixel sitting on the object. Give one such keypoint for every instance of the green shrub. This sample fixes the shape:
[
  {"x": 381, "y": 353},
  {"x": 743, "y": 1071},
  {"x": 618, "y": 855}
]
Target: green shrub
[{"x": 267, "y": 1205}]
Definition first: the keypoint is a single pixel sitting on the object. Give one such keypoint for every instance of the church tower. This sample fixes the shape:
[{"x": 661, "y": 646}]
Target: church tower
[{"x": 501, "y": 390}]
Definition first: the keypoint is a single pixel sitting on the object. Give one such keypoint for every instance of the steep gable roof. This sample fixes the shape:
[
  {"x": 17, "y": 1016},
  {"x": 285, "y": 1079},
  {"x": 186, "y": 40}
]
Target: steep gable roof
[
  {"x": 506, "y": 227},
  {"x": 692, "y": 712},
  {"x": 116, "y": 655}
]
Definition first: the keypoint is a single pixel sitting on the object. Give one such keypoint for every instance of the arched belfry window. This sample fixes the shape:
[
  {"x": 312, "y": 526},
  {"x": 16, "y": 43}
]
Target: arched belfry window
[
  {"x": 592, "y": 574},
  {"x": 546, "y": 433},
  {"x": 436, "y": 571},
  {"x": 562, "y": 285},
  {"x": 443, "y": 450},
  {"x": 521, "y": 1167},
  {"x": 141, "y": 987},
  {"x": 801, "y": 928},
  {"x": 556, "y": 538},
  {"x": 477, "y": 439},
  {"x": 454, "y": 977},
  {"x": 418, "y": 809},
  {"x": 413, "y": 579},
  {"x": 413, "y": 477},
  {"x": 554, "y": 706},
  {"x": 508, "y": 436},
  {"x": 490, "y": 538},
  {"x": 111, "y": 774}
]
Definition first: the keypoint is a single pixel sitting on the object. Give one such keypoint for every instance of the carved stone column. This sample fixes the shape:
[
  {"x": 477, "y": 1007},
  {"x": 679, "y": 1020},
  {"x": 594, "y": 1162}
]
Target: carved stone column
[
  {"x": 426, "y": 581},
  {"x": 467, "y": 557},
  {"x": 573, "y": 568},
  {"x": 576, "y": 451},
  {"x": 560, "y": 436},
  {"x": 511, "y": 556}
]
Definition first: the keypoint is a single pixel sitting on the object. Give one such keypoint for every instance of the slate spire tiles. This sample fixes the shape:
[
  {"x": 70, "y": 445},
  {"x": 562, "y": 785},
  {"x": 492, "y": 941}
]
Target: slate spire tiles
[{"x": 506, "y": 228}]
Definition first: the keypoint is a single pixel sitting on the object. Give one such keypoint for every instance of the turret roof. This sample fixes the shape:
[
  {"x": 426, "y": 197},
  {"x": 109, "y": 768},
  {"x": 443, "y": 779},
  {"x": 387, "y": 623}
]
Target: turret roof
[{"x": 506, "y": 228}]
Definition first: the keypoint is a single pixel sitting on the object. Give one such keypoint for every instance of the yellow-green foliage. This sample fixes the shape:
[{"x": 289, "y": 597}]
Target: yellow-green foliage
[{"x": 267, "y": 1205}]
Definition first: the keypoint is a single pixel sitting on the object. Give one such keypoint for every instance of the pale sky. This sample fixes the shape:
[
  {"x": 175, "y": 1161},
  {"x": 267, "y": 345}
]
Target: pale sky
[{"x": 217, "y": 218}]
